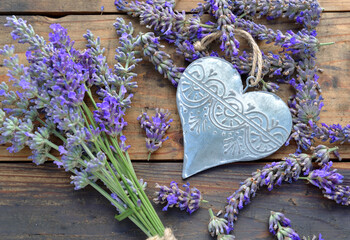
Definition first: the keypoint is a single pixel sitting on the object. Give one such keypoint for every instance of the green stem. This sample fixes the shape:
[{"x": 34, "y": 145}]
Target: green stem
[
  {"x": 143, "y": 197},
  {"x": 149, "y": 156},
  {"x": 51, "y": 144},
  {"x": 53, "y": 157},
  {"x": 57, "y": 134},
  {"x": 303, "y": 178},
  {"x": 243, "y": 15},
  {"x": 106, "y": 195},
  {"x": 325, "y": 44},
  {"x": 333, "y": 149},
  {"x": 211, "y": 214},
  {"x": 91, "y": 98}
]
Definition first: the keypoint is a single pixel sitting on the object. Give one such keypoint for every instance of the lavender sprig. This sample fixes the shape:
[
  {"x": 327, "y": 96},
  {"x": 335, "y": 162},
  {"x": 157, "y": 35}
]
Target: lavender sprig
[
  {"x": 333, "y": 133},
  {"x": 218, "y": 226},
  {"x": 301, "y": 43},
  {"x": 306, "y": 13},
  {"x": 188, "y": 200},
  {"x": 151, "y": 49},
  {"x": 280, "y": 227},
  {"x": 155, "y": 129},
  {"x": 287, "y": 170}
]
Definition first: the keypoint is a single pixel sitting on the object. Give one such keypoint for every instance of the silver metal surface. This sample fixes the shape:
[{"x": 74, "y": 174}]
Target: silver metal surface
[{"x": 220, "y": 123}]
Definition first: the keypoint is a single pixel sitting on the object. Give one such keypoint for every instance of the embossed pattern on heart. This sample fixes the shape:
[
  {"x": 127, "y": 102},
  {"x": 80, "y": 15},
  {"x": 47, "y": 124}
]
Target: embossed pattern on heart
[{"x": 221, "y": 124}]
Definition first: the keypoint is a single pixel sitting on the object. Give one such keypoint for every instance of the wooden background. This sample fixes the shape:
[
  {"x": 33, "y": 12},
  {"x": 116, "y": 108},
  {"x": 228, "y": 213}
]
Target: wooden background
[{"x": 40, "y": 203}]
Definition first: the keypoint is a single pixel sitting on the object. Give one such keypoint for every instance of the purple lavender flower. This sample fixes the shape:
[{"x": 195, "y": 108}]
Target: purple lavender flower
[
  {"x": 24, "y": 33},
  {"x": 334, "y": 133},
  {"x": 217, "y": 226},
  {"x": 280, "y": 226},
  {"x": 340, "y": 194},
  {"x": 155, "y": 128},
  {"x": 322, "y": 153},
  {"x": 70, "y": 160},
  {"x": 314, "y": 237},
  {"x": 119, "y": 203},
  {"x": 81, "y": 179},
  {"x": 97, "y": 163},
  {"x": 300, "y": 43},
  {"x": 329, "y": 181},
  {"x": 188, "y": 200},
  {"x": 110, "y": 116},
  {"x": 325, "y": 178},
  {"x": 225, "y": 237}
]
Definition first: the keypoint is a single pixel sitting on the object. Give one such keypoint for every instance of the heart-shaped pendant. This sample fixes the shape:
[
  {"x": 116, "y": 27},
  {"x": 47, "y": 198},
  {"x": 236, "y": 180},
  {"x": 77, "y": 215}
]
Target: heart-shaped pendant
[{"x": 222, "y": 124}]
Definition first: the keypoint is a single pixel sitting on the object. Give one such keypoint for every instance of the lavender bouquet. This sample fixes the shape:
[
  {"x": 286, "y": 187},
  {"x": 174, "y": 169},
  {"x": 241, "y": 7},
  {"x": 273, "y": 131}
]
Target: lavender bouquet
[{"x": 48, "y": 110}]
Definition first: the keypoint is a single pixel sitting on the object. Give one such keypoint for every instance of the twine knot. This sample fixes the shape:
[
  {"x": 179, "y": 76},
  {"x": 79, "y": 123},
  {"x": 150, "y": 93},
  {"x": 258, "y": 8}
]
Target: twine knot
[
  {"x": 168, "y": 235},
  {"x": 257, "y": 55}
]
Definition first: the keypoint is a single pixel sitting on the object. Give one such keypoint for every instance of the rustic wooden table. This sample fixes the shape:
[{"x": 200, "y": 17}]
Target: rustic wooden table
[{"x": 40, "y": 203}]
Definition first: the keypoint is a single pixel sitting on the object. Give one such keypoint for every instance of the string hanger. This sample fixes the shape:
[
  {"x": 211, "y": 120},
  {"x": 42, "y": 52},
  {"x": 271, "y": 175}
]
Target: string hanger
[{"x": 257, "y": 55}]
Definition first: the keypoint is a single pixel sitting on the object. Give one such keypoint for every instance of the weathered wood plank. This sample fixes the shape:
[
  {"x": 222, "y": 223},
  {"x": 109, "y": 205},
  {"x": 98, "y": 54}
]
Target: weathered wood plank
[
  {"x": 154, "y": 91},
  {"x": 64, "y": 7},
  {"x": 39, "y": 203}
]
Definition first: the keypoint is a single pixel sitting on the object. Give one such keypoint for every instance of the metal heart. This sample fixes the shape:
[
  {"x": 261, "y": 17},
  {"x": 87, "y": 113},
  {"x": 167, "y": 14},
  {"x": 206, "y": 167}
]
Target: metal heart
[{"x": 221, "y": 124}]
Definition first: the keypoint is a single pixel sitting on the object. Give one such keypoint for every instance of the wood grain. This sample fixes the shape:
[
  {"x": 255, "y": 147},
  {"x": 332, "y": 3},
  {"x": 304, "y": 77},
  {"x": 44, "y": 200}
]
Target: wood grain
[
  {"x": 64, "y": 7},
  {"x": 40, "y": 203},
  {"x": 155, "y": 91}
]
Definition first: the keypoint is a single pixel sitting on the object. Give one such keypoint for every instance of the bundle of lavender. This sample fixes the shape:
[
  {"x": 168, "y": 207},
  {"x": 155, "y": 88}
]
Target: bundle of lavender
[{"x": 49, "y": 111}]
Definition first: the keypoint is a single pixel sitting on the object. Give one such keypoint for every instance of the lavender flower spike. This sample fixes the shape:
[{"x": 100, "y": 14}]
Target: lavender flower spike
[
  {"x": 280, "y": 227},
  {"x": 155, "y": 129},
  {"x": 329, "y": 181},
  {"x": 218, "y": 226},
  {"x": 188, "y": 200}
]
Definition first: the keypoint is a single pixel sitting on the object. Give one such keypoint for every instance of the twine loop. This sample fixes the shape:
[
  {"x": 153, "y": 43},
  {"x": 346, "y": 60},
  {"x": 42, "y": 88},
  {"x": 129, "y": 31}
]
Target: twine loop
[
  {"x": 257, "y": 55},
  {"x": 168, "y": 235}
]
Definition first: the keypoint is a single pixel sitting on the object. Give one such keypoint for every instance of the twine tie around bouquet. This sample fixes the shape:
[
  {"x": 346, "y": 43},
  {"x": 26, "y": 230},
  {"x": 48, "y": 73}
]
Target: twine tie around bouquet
[{"x": 168, "y": 235}]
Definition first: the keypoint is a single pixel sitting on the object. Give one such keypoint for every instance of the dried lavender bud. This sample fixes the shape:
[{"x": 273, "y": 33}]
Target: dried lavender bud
[
  {"x": 217, "y": 226},
  {"x": 155, "y": 129},
  {"x": 70, "y": 158},
  {"x": 225, "y": 237},
  {"x": 188, "y": 200},
  {"x": 96, "y": 164},
  {"x": 314, "y": 237},
  {"x": 81, "y": 179},
  {"x": 280, "y": 227},
  {"x": 119, "y": 201},
  {"x": 340, "y": 194}
]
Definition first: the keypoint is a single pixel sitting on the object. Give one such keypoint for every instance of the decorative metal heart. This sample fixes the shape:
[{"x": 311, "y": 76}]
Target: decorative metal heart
[{"x": 221, "y": 124}]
